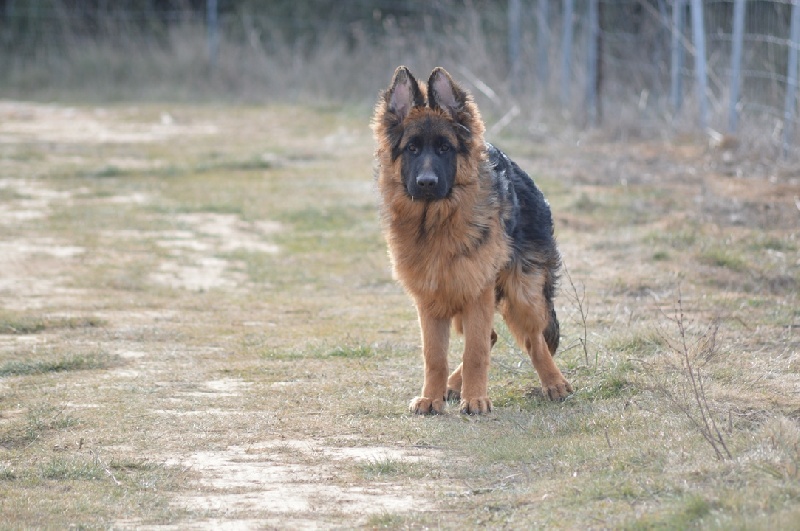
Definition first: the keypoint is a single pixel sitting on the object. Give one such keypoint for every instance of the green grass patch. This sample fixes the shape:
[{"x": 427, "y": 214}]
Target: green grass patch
[
  {"x": 7, "y": 473},
  {"x": 728, "y": 258},
  {"x": 311, "y": 350},
  {"x": 76, "y": 468},
  {"x": 678, "y": 239},
  {"x": 689, "y": 514},
  {"x": 354, "y": 351},
  {"x": 13, "y": 323},
  {"x": 38, "y": 420},
  {"x": 320, "y": 351},
  {"x": 253, "y": 163},
  {"x": 386, "y": 521},
  {"x": 109, "y": 171},
  {"x": 638, "y": 343},
  {"x": 245, "y": 164},
  {"x": 78, "y": 362},
  {"x": 328, "y": 218},
  {"x": 384, "y": 467},
  {"x": 771, "y": 243},
  {"x": 133, "y": 465},
  {"x": 612, "y": 385},
  {"x": 23, "y": 324},
  {"x": 517, "y": 394}
]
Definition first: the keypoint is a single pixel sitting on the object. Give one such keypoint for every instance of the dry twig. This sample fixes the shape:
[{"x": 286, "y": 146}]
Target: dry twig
[
  {"x": 580, "y": 300},
  {"x": 691, "y": 400}
]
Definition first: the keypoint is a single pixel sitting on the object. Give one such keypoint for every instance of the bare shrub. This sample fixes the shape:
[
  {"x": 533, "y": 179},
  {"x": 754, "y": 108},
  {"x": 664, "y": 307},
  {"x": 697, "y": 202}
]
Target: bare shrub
[
  {"x": 583, "y": 313},
  {"x": 681, "y": 381}
]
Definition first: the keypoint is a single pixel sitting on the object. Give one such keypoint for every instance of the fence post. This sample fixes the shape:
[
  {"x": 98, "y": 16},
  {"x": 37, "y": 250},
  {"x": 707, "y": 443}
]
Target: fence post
[
  {"x": 514, "y": 46},
  {"x": 543, "y": 44},
  {"x": 592, "y": 57},
  {"x": 699, "y": 38},
  {"x": 676, "y": 65},
  {"x": 212, "y": 28},
  {"x": 658, "y": 52},
  {"x": 566, "y": 53},
  {"x": 736, "y": 64},
  {"x": 791, "y": 78}
]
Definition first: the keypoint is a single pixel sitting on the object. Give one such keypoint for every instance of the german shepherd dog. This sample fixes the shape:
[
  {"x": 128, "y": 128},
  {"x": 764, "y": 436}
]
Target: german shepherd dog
[{"x": 468, "y": 231}]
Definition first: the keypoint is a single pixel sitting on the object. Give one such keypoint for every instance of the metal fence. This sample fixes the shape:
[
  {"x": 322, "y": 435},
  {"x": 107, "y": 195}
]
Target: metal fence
[
  {"x": 729, "y": 67},
  {"x": 733, "y": 62}
]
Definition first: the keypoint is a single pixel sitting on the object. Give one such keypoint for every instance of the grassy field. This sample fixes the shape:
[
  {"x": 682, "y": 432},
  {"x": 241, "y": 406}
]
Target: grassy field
[{"x": 198, "y": 328}]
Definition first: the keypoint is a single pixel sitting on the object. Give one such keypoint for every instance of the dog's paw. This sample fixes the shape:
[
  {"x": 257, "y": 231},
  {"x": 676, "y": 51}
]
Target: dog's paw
[
  {"x": 476, "y": 406},
  {"x": 453, "y": 395},
  {"x": 556, "y": 390},
  {"x": 426, "y": 406}
]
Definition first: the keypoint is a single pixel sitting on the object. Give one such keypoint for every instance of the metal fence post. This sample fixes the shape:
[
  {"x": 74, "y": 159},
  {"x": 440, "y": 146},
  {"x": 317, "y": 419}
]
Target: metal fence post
[
  {"x": 658, "y": 52},
  {"x": 591, "y": 61},
  {"x": 213, "y": 31},
  {"x": 699, "y": 38},
  {"x": 736, "y": 64},
  {"x": 566, "y": 52},
  {"x": 543, "y": 44},
  {"x": 676, "y": 65},
  {"x": 791, "y": 78},
  {"x": 514, "y": 46}
]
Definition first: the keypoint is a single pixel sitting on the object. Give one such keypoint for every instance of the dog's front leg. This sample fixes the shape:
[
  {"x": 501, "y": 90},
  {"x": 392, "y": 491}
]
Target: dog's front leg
[
  {"x": 435, "y": 341},
  {"x": 454, "y": 381},
  {"x": 477, "y": 318}
]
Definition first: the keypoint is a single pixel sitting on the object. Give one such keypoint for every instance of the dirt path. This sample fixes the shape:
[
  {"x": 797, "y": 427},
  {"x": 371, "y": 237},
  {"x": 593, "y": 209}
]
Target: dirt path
[
  {"x": 151, "y": 278},
  {"x": 198, "y": 330}
]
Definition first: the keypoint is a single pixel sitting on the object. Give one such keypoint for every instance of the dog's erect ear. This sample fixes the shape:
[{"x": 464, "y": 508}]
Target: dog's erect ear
[
  {"x": 404, "y": 93},
  {"x": 443, "y": 93}
]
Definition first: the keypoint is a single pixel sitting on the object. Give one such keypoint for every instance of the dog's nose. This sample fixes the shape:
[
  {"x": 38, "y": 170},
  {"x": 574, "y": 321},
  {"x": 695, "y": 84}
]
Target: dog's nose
[{"x": 427, "y": 179}]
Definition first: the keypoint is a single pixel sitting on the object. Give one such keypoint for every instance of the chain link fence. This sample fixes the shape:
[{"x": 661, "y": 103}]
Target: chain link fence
[{"x": 728, "y": 68}]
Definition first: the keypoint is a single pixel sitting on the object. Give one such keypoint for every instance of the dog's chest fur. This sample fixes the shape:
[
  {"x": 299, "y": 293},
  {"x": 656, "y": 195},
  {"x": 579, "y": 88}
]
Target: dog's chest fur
[{"x": 440, "y": 250}]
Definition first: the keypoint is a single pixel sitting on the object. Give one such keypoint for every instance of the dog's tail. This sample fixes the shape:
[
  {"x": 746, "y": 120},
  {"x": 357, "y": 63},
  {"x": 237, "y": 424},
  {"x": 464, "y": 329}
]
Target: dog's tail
[{"x": 552, "y": 332}]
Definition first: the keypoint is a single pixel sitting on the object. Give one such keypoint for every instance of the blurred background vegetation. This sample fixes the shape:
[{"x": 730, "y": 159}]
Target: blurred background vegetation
[{"x": 519, "y": 58}]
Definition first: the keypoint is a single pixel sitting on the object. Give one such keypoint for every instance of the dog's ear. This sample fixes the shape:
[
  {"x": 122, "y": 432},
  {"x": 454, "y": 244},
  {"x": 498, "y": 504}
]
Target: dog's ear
[
  {"x": 445, "y": 94},
  {"x": 404, "y": 93}
]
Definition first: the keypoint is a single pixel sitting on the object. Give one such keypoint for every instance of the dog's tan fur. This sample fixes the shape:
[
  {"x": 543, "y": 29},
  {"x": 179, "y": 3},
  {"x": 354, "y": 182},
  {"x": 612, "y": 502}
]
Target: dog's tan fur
[{"x": 453, "y": 273}]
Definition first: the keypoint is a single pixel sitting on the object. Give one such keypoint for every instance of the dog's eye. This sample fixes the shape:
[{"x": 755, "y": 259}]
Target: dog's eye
[
  {"x": 412, "y": 148},
  {"x": 444, "y": 148}
]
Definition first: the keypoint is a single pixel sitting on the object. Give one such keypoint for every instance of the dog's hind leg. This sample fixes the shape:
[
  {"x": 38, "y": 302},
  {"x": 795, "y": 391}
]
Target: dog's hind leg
[
  {"x": 554, "y": 385},
  {"x": 454, "y": 381},
  {"x": 454, "y": 385},
  {"x": 527, "y": 322}
]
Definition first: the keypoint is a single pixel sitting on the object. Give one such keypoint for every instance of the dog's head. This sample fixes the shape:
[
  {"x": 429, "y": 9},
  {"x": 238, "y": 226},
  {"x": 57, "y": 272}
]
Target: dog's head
[{"x": 427, "y": 128}]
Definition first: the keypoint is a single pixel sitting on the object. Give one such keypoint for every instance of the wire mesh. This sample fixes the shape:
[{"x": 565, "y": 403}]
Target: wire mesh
[{"x": 638, "y": 60}]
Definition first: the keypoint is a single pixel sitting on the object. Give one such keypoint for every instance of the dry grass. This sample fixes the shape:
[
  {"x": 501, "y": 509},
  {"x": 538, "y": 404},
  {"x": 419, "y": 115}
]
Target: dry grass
[{"x": 199, "y": 327}]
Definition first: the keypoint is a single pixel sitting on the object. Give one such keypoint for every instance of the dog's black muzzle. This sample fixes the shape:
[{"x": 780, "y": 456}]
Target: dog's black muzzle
[{"x": 426, "y": 186}]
